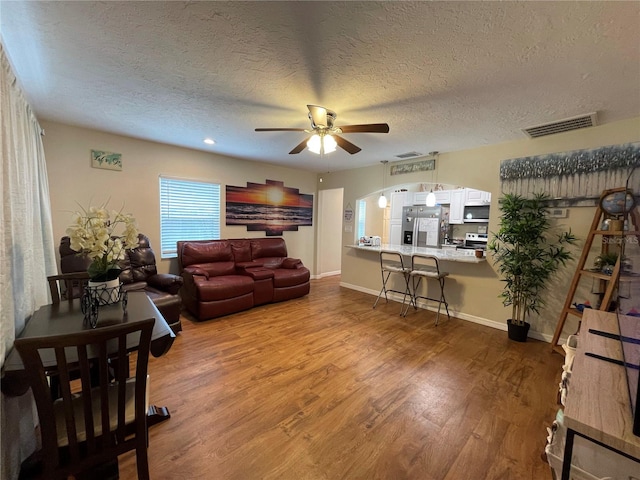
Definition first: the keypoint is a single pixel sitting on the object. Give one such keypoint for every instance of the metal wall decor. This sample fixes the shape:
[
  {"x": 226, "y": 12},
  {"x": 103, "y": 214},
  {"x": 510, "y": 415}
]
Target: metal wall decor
[
  {"x": 576, "y": 177},
  {"x": 270, "y": 207}
]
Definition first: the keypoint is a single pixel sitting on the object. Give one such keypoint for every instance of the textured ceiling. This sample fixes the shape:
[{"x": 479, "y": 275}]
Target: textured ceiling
[{"x": 445, "y": 76}]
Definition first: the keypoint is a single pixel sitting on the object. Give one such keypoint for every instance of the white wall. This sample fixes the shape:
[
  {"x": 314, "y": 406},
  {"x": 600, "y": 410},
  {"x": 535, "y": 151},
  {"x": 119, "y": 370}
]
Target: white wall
[
  {"x": 73, "y": 182},
  {"x": 473, "y": 290}
]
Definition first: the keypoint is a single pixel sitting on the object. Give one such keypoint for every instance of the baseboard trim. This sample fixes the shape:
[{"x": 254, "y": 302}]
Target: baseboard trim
[
  {"x": 328, "y": 274},
  {"x": 461, "y": 315}
]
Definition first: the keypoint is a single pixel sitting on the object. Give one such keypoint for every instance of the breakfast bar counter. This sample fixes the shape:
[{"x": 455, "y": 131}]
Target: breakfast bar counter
[{"x": 448, "y": 254}]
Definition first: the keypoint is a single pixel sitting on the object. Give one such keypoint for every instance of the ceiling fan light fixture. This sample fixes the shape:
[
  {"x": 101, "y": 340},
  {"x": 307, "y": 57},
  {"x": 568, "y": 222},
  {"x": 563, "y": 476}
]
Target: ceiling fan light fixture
[
  {"x": 314, "y": 144},
  {"x": 322, "y": 143},
  {"x": 329, "y": 143}
]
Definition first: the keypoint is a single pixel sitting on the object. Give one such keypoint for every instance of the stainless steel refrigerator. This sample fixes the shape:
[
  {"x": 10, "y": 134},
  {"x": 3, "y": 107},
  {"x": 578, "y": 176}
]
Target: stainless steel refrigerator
[{"x": 423, "y": 226}]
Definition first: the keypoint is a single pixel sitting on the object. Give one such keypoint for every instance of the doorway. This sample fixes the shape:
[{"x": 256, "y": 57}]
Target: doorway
[{"x": 329, "y": 251}]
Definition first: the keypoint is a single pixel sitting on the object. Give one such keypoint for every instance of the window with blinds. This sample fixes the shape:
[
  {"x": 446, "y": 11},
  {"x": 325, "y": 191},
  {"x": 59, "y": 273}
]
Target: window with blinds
[{"x": 189, "y": 210}]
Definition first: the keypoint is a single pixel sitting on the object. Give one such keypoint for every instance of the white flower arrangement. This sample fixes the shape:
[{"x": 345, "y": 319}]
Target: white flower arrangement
[{"x": 103, "y": 236}]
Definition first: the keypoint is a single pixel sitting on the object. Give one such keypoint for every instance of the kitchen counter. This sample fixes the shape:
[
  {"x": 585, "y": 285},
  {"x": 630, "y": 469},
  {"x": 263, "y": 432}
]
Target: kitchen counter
[{"x": 446, "y": 254}]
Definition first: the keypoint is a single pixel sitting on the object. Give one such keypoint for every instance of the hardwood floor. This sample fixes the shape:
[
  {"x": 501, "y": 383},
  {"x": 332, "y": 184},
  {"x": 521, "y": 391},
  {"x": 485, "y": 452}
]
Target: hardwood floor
[{"x": 325, "y": 387}]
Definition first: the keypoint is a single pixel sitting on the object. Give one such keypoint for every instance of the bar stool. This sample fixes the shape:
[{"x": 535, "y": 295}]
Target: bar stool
[
  {"x": 392, "y": 263},
  {"x": 426, "y": 266}
]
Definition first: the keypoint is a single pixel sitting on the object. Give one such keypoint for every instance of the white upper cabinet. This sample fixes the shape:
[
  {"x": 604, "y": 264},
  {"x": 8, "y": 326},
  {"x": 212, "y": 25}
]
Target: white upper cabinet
[
  {"x": 443, "y": 197},
  {"x": 420, "y": 198},
  {"x": 476, "y": 197},
  {"x": 456, "y": 211},
  {"x": 399, "y": 200}
]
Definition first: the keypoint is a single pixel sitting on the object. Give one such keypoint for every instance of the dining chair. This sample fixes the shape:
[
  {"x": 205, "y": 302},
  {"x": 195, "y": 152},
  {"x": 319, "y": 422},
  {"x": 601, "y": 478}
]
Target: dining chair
[
  {"x": 90, "y": 425},
  {"x": 392, "y": 263},
  {"x": 67, "y": 286},
  {"x": 425, "y": 267}
]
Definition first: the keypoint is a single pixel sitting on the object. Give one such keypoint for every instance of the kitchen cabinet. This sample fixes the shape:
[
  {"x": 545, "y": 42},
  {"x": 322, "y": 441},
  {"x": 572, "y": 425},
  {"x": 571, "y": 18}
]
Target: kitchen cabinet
[
  {"x": 395, "y": 233},
  {"x": 456, "y": 211},
  {"x": 398, "y": 200},
  {"x": 476, "y": 197},
  {"x": 420, "y": 198},
  {"x": 443, "y": 197}
]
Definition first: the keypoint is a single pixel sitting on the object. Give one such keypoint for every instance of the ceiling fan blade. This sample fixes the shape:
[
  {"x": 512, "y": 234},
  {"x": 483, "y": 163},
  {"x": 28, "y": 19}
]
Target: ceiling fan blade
[
  {"x": 279, "y": 129},
  {"x": 346, "y": 145},
  {"x": 366, "y": 128},
  {"x": 300, "y": 147},
  {"x": 318, "y": 115}
]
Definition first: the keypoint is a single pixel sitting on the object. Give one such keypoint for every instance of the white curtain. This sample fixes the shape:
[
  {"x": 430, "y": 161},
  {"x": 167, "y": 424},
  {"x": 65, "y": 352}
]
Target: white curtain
[{"x": 27, "y": 254}]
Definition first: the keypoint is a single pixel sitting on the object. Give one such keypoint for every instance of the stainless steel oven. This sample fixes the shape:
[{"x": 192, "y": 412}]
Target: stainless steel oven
[{"x": 475, "y": 241}]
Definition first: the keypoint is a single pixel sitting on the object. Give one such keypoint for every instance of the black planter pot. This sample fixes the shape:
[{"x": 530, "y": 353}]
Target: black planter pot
[{"x": 517, "y": 332}]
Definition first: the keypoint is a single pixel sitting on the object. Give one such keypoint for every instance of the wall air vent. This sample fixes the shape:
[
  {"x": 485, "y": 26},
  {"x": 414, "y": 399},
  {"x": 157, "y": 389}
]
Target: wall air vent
[
  {"x": 573, "y": 123},
  {"x": 409, "y": 155}
]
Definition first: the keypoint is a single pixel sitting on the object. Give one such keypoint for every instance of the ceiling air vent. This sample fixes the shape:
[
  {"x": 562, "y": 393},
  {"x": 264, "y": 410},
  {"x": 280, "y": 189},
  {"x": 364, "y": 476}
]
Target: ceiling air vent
[
  {"x": 409, "y": 155},
  {"x": 573, "y": 123}
]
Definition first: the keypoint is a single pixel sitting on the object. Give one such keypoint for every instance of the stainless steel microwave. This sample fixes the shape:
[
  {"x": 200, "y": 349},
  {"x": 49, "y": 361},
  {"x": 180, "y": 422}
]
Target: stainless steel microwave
[{"x": 476, "y": 214}]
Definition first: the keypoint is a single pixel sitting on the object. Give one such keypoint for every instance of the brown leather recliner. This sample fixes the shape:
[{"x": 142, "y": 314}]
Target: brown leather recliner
[{"x": 139, "y": 272}]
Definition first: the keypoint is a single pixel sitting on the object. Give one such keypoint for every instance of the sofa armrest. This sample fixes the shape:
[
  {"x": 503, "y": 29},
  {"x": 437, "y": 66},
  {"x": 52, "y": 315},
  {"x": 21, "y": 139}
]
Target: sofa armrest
[
  {"x": 240, "y": 266},
  {"x": 167, "y": 282},
  {"x": 134, "y": 286},
  {"x": 194, "y": 271},
  {"x": 292, "y": 263}
]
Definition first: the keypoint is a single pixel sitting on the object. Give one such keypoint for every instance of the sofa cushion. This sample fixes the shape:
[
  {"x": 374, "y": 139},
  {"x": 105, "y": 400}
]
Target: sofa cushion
[
  {"x": 241, "y": 250},
  {"x": 141, "y": 262},
  {"x": 223, "y": 287},
  {"x": 206, "y": 252},
  {"x": 268, "y": 248}
]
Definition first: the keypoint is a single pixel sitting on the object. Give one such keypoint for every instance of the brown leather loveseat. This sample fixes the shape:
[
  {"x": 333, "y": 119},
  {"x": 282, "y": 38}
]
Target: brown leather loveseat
[
  {"x": 138, "y": 273},
  {"x": 227, "y": 276}
]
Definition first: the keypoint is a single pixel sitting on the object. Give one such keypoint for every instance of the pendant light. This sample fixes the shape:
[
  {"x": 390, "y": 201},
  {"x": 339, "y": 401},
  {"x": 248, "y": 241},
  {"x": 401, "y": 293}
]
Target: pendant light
[
  {"x": 382, "y": 201},
  {"x": 431, "y": 197}
]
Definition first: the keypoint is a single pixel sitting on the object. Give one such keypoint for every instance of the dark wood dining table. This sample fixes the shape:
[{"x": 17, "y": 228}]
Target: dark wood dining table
[{"x": 67, "y": 317}]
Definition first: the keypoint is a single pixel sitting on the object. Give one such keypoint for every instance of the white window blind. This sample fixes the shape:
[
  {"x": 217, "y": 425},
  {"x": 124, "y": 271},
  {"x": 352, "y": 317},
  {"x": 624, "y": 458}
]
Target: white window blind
[
  {"x": 362, "y": 216},
  {"x": 189, "y": 210}
]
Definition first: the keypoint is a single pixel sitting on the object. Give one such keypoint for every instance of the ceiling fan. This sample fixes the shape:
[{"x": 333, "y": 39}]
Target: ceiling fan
[{"x": 324, "y": 135}]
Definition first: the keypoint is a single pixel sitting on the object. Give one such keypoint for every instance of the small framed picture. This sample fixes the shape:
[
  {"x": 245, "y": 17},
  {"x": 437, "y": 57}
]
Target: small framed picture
[{"x": 106, "y": 160}]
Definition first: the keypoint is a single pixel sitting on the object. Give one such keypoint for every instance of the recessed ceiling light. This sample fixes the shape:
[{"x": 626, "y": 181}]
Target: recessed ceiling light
[{"x": 209, "y": 141}]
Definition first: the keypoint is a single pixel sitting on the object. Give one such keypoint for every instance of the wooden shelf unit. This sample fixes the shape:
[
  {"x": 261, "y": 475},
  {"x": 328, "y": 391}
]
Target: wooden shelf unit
[{"x": 610, "y": 282}]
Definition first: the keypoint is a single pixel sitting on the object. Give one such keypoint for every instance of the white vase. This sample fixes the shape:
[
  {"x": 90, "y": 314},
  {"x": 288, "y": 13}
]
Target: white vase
[{"x": 106, "y": 292}]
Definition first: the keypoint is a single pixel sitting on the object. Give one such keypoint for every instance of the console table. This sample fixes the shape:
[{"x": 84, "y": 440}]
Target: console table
[{"x": 598, "y": 404}]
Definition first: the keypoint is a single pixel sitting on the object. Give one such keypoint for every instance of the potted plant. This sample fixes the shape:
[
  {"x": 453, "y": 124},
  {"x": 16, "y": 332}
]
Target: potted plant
[
  {"x": 527, "y": 253},
  {"x": 103, "y": 236},
  {"x": 606, "y": 262}
]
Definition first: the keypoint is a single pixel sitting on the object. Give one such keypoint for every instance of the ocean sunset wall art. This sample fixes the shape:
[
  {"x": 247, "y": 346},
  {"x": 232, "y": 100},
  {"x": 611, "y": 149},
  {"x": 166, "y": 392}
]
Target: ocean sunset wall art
[{"x": 270, "y": 207}]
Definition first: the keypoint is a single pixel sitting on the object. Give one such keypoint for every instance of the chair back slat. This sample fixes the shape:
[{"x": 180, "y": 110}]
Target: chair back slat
[
  {"x": 85, "y": 377},
  {"x": 90, "y": 423},
  {"x": 67, "y": 286}
]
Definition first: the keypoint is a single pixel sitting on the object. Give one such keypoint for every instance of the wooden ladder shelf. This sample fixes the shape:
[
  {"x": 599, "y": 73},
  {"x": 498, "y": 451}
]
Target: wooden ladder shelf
[{"x": 611, "y": 281}]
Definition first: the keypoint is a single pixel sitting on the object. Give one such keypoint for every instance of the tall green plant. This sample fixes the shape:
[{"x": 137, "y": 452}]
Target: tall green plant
[{"x": 527, "y": 253}]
